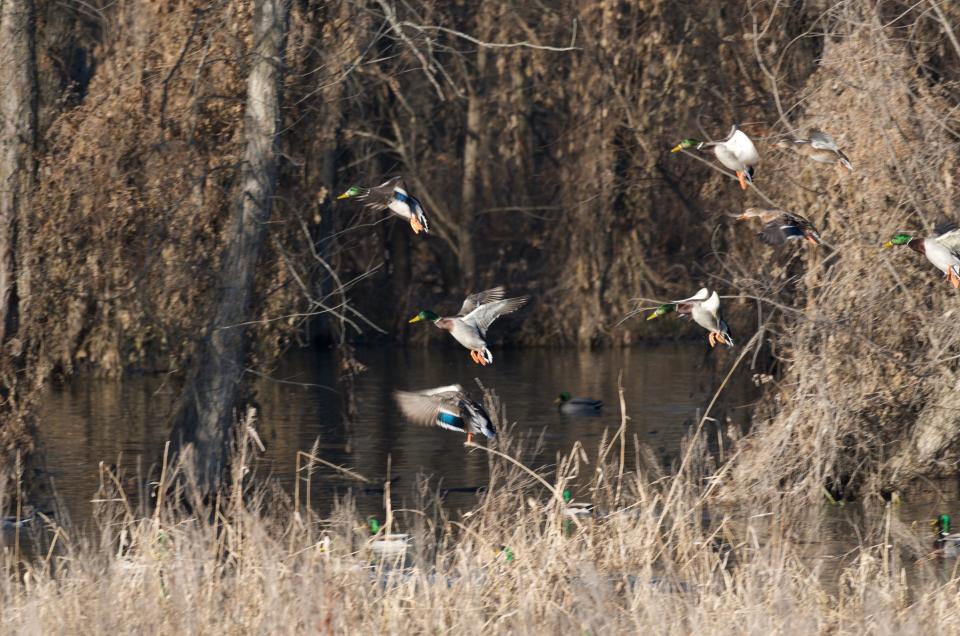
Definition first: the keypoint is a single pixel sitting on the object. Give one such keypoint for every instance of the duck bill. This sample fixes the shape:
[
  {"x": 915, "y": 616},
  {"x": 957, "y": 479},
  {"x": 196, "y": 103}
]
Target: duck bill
[
  {"x": 888, "y": 244},
  {"x": 345, "y": 195},
  {"x": 653, "y": 316},
  {"x": 677, "y": 148},
  {"x": 415, "y": 319}
]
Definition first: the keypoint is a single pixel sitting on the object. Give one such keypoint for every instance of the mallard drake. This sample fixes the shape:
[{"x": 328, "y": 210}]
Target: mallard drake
[
  {"x": 575, "y": 509},
  {"x": 386, "y": 544},
  {"x": 948, "y": 543},
  {"x": 577, "y": 406},
  {"x": 736, "y": 152},
  {"x": 704, "y": 308},
  {"x": 392, "y": 194},
  {"x": 819, "y": 146},
  {"x": 469, "y": 326},
  {"x": 942, "y": 249},
  {"x": 781, "y": 226},
  {"x": 447, "y": 407}
]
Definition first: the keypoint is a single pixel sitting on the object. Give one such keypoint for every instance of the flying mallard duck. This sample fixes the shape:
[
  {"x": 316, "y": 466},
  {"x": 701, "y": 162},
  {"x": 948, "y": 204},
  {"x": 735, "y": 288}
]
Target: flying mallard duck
[
  {"x": 942, "y": 249},
  {"x": 447, "y": 407},
  {"x": 946, "y": 542},
  {"x": 820, "y": 147},
  {"x": 781, "y": 226},
  {"x": 736, "y": 152},
  {"x": 577, "y": 406},
  {"x": 704, "y": 308},
  {"x": 392, "y": 194},
  {"x": 469, "y": 326}
]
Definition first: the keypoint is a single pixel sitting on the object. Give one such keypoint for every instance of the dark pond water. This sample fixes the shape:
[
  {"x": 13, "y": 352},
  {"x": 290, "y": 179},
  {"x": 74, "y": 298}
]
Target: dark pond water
[
  {"x": 666, "y": 386},
  {"x": 89, "y": 420}
]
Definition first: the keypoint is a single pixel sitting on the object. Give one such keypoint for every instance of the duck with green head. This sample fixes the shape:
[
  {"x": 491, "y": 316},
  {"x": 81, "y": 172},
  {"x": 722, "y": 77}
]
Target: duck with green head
[
  {"x": 736, "y": 153},
  {"x": 946, "y": 542},
  {"x": 577, "y": 406},
  {"x": 942, "y": 249},
  {"x": 704, "y": 308},
  {"x": 392, "y": 194},
  {"x": 469, "y": 327}
]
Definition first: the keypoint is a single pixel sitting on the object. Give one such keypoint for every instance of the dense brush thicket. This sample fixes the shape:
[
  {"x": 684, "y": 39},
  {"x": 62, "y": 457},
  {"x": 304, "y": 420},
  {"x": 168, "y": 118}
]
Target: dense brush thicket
[{"x": 537, "y": 136}]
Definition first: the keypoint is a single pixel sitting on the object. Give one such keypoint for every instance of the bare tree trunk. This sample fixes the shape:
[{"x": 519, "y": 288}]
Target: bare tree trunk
[
  {"x": 471, "y": 164},
  {"x": 206, "y": 412},
  {"x": 18, "y": 100}
]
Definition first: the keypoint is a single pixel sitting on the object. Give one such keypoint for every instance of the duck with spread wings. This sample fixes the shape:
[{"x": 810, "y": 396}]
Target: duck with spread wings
[
  {"x": 447, "y": 407},
  {"x": 942, "y": 249},
  {"x": 469, "y": 327},
  {"x": 392, "y": 194},
  {"x": 781, "y": 227},
  {"x": 704, "y": 308},
  {"x": 736, "y": 152}
]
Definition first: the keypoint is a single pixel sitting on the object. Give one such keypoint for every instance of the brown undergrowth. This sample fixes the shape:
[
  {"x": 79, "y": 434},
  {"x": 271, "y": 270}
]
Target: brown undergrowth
[{"x": 656, "y": 554}]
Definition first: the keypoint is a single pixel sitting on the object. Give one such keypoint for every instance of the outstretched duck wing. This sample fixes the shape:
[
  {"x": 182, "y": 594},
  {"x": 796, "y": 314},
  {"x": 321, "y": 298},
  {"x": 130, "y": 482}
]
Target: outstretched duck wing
[
  {"x": 481, "y": 298},
  {"x": 426, "y": 409},
  {"x": 781, "y": 230},
  {"x": 823, "y": 141},
  {"x": 484, "y": 315},
  {"x": 699, "y": 297},
  {"x": 712, "y": 304},
  {"x": 742, "y": 146},
  {"x": 950, "y": 239}
]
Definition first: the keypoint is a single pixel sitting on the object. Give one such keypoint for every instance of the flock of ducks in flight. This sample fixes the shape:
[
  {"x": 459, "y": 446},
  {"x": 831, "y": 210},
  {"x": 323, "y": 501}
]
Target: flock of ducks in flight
[{"x": 451, "y": 408}]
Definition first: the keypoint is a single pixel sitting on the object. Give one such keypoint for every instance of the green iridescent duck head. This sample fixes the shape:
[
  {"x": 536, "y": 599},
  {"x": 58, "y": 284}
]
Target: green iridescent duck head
[
  {"x": 662, "y": 310},
  {"x": 686, "y": 144},
  {"x": 352, "y": 192},
  {"x": 898, "y": 239},
  {"x": 425, "y": 315}
]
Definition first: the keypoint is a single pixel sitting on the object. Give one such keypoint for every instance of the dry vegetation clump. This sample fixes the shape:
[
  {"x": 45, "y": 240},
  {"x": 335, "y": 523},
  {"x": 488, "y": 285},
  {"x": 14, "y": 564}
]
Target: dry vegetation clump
[
  {"x": 134, "y": 188},
  {"x": 657, "y": 555},
  {"x": 866, "y": 340}
]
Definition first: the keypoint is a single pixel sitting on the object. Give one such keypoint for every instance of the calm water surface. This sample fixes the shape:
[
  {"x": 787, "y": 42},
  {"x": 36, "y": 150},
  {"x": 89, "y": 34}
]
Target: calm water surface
[{"x": 88, "y": 420}]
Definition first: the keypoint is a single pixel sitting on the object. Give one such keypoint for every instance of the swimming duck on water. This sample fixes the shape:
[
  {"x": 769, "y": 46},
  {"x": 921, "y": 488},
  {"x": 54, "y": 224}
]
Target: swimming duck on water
[{"x": 577, "y": 405}]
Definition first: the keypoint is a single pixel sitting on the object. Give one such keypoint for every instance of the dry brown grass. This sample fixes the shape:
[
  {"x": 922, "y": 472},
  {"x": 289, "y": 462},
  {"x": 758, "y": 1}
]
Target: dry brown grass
[{"x": 659, "y": 556}]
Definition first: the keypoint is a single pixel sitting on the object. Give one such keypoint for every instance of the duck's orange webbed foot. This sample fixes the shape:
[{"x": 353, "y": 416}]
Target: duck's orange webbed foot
[
  {"x": 953, "y": 278},
  {"x": 742, "y": 179},
  {"x": 473, "y": 356},
  {"x": 416, "y": 225},
  {"x": 469, "y": 437},
  {"x": 710, "y": 338}
]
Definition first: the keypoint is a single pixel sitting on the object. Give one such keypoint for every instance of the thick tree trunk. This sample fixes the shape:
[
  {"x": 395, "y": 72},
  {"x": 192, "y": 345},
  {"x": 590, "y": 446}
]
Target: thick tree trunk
[
  {"x": 206, "y": 412},
  {"x": 18, "y": 91},
  {"x": 471, "y": 163}
]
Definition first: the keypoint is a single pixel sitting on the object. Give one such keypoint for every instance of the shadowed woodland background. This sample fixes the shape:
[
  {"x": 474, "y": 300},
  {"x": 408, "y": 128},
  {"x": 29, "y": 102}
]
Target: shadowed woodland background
[{"x": 537, "y": 135}]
